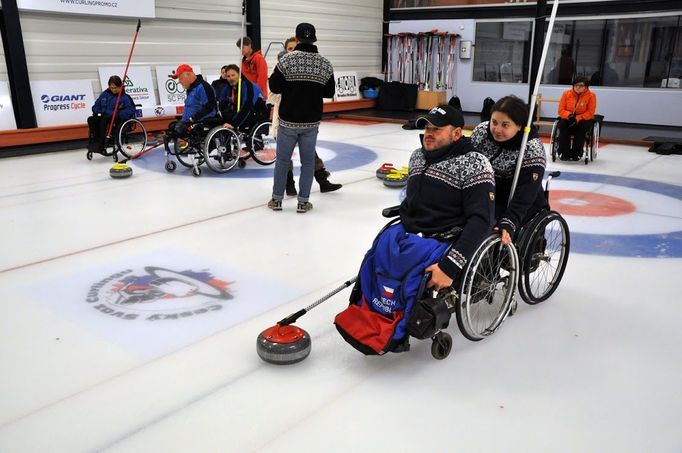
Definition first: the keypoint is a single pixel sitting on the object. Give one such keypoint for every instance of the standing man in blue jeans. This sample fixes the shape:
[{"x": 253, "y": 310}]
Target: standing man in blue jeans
[{"x": 303, "y": 78}]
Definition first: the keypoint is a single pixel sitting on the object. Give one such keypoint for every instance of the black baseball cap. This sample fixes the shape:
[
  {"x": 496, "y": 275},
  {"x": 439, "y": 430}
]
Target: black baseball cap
[
  {"x": 440, "y": 116},
  {"x": 306, "y": 32}
]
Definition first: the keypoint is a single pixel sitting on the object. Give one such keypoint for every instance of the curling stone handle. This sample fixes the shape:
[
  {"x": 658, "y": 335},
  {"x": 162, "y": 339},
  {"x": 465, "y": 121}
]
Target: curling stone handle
[{"x": 292, "y": 317}]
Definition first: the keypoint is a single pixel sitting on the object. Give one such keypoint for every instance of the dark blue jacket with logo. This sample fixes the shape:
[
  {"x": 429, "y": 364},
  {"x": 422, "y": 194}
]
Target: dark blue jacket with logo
[
  {"x": 200, "y": 103},
  {"x": 252, "y": 103},
  {"x": 106, "y": 102}
]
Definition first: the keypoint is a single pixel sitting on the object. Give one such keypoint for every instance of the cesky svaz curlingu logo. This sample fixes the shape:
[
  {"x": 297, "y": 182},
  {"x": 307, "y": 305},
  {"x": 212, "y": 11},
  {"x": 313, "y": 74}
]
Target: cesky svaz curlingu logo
[{"x": 157, "y": 294}]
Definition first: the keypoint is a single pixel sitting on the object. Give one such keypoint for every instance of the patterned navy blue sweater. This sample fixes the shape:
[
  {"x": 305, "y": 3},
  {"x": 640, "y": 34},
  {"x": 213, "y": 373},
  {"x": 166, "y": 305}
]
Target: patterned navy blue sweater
[
  {"x": 529, "y": 197},
  {"x": 450, "y": 191},
  {"x": 303, "y": 77}
]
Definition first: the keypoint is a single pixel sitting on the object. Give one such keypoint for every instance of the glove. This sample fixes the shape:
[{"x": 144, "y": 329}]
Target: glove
[{"x": 571, "y": 120}]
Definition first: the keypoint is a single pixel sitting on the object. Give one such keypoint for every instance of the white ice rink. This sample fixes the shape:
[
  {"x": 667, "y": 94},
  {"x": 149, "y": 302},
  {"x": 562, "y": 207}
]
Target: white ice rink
[{"x": 596, "y": 368}]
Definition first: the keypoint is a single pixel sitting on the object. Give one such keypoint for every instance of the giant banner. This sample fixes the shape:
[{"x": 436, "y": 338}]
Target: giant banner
[
  {"x": 7, "y": 120},
  {"x": 130, "y": 8},
  {"x": 138, "y": 83},
  {"x": 62, "y": 101}
]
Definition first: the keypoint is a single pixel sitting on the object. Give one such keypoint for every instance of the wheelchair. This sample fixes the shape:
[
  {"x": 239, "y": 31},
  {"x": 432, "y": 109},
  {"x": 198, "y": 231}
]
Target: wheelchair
[
  {"x": 188, "y": 148},
  {"x": 534, "y": 263},
  {"x": 220, "y": 148},
  {"x": 224, "y": 147},
  {"x": 128, "y": 138},
  {"x": 591, "y": 146}
]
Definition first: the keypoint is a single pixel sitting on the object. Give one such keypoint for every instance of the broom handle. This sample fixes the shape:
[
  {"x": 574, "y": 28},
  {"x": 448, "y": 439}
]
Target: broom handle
[
  {"x": 533, "y": 98},
  {"x": 125, "y": 74}
]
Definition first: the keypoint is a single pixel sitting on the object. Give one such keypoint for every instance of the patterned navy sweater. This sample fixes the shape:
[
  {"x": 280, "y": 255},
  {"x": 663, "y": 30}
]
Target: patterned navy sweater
[
  {"x": 303, "y": 78},
  {"x": 450, "y": 191},
  {"x": 529, "y": 197}
]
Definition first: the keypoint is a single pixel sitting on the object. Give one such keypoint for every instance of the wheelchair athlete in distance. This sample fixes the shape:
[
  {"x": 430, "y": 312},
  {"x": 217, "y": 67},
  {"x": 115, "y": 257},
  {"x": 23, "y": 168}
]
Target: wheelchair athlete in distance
[
  {"x": 245, "y": 119},
  {"x": 127, "y": 136},
  {"x": 199, "y": 115},
  {"x": 447, "y": 213}
]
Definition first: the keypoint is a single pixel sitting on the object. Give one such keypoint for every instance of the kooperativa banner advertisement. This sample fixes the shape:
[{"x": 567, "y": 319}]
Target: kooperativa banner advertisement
[
  {"x": 62, "y": 101},
  {"x": 130, "y": 8},
  {"x": 138, "y": 83}
]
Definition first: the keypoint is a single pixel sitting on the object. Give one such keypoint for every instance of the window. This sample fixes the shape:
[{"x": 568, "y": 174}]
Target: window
[
  {"x": 502, "y": 51},
  {"x": 628, "y": 52}
]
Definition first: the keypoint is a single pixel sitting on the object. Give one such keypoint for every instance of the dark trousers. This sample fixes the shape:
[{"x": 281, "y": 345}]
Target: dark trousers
[
  {"x": 98, "y": 125},
  {"x": 578, "y": 131}
]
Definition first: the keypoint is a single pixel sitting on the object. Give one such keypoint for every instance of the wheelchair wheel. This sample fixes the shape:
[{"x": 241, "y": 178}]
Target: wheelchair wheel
[
  {"x": 262, "y": 144},
  {"x": 487, "y": 288},
  {"x": 186, "y": 154},
  {"x": 132, "y": 137},
  {"x": 544, "y": 255},
  {"x": 221, "y": 149},
  {"x": 554, "y": 140},
  {"x": 441, "y": 345},
  {"x": 594, "y": 142}
]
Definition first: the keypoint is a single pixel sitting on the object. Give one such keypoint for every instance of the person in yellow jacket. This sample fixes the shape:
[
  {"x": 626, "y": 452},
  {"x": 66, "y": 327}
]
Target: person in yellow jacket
[{"x": 576, "y": 110}]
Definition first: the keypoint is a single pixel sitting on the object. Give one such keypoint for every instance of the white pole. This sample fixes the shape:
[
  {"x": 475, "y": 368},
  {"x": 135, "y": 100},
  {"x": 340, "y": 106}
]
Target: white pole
[{"x": 533, "y": 99}]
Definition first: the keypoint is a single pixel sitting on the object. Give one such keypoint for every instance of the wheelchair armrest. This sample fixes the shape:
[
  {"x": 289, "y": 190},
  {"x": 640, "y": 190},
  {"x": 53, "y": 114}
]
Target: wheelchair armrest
[{"x": 393, "y": 211}]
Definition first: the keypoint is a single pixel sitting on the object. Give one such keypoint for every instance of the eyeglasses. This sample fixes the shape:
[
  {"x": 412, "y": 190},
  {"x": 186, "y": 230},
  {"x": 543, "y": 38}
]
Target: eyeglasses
[{"x": 579, "y": 85}]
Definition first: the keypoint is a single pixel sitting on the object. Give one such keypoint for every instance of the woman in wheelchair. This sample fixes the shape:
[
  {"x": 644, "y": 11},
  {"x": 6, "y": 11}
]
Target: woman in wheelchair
[
  {"x": 252, "y": 107},
  {"x": 103, "y": 110},
  {"x": 500, "y": 141},
  {"x": 576, "y": 111}
]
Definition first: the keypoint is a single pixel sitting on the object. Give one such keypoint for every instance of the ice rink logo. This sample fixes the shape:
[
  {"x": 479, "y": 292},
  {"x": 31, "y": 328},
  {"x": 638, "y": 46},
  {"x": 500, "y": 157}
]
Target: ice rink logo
[{"x": 155, "y": 294}]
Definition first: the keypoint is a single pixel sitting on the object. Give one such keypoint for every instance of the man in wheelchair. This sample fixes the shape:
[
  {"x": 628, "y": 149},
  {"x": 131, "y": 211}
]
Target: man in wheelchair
[
  {"x": 103, "y": 110},
  {"x": 200, "y": 103},
  {"x": 252, "y": 106},
  {"x": 448, "y": 211}
]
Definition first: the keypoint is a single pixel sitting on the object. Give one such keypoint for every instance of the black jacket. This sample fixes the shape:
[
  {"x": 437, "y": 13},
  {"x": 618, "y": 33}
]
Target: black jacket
[
  {"x": 450, "y": 191},
  {"x": 303, "y": 77},
  {"x": 529, "y": 197}
]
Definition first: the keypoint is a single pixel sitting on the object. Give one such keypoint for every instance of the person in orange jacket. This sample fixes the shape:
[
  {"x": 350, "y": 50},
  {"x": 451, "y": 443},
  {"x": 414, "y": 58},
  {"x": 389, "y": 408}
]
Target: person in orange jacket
[
  {"x": 254, "y": 66},
  {"x": 576, "y": 110}
]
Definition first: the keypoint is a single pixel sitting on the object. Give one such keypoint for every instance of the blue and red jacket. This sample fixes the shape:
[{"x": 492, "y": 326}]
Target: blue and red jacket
[
  {"x": 390, "y": 277},
  {"x": 200, "y": 103}
]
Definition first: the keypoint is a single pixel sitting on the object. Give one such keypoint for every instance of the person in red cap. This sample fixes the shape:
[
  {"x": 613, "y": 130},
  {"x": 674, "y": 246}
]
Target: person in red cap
[
  {"x": 200, "y": 103},
  {"x": 254, "y": 66}
]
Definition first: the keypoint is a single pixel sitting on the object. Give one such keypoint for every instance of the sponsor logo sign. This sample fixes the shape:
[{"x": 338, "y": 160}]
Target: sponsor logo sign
[
  {"x": 347, "y": 86},
  {"x": 62, "y": 101},
  {"x": 171, "y": 92},
  {"x": 138, "y": 83},
  {"x": 7, "y": 120},
  {"x": 130, "y": 8}
]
